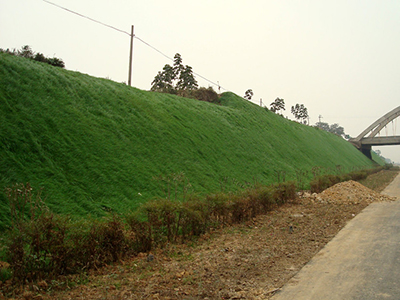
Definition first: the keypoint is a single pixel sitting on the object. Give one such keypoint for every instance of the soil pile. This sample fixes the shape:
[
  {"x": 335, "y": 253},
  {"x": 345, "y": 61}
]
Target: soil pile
[{"x": 349, "y": 192}]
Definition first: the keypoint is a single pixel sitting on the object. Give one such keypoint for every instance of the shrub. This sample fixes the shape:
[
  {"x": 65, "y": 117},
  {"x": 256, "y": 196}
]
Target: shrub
[
  {"x": 83, "y": 245},
  {"x": 323, "y": 182},
  {"x": 218, "y": 205},
  {"x": 51, "y": 246},
  {"x": 24, "y": 205},
  {"x": 141, "y": 231},
  {"x": 265, "y": 198},
  {"x": 109, "y": 238},
  {"x": 37, "y": 248},
  {"x": 241, "y": 209},
  {"x": 358, "y": 175},
  {"x": 16, "y": 254},
  {"x": 283, "y": 192},
  {"x": 193, "y": 219},
  {"x": 202, "y": 94},
  {"x": 27, "y": 52},
  {"x": 206, "y": 94},
  {"x": 162, "y": 218},
  {"x": 5, "y": 273},
  {"x": 255, "y": 201},
  {"x": 36, "y": 244},
  {"x": 345, "y": 177},
  {"x": 318, "y": 184}
]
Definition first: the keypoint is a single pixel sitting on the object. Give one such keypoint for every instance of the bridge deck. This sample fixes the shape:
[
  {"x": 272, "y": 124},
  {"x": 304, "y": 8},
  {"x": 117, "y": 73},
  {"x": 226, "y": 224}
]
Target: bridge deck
[{"x": 380, "y": 141}]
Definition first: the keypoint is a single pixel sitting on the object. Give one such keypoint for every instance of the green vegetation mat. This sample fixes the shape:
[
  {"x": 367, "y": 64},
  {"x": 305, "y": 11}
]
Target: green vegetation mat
[{"x": 95, "y": 145}]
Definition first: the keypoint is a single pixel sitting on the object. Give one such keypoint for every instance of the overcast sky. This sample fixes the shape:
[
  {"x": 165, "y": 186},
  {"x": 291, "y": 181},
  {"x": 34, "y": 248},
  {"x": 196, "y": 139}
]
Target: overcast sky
[{"x": 340, "y": 58}]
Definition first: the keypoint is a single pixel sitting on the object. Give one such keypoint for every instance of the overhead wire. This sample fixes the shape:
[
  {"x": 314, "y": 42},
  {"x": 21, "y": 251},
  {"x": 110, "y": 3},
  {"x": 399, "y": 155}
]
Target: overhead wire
[
  {"x": 135, "y": 36},
  {"x": 147, "y": 44},
  {"x": 86, "y": 17}
]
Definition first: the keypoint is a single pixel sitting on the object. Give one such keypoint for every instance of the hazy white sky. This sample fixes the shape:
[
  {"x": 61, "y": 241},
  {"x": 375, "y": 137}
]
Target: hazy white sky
[{"x": 340, "y": 58}]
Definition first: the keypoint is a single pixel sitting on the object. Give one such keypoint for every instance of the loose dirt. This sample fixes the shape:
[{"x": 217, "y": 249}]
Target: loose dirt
[{"x": 249, "y": 261}]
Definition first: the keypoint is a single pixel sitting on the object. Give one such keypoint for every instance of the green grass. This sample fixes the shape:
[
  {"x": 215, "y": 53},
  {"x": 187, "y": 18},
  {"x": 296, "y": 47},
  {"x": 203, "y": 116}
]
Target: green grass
[
  {"x": 378, "y": 159},
  {"x": 95, "y": 145}
]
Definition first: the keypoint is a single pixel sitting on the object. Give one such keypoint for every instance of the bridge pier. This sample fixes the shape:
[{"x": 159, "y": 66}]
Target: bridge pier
[{"x": 366, "y": 150}]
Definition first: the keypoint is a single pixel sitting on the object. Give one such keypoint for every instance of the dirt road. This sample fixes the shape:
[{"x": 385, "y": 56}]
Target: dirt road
[{"x": 361, "y": 262}]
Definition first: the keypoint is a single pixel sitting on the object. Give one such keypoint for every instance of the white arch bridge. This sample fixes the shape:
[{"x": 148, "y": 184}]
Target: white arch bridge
[{"x": 372, "y": 137}]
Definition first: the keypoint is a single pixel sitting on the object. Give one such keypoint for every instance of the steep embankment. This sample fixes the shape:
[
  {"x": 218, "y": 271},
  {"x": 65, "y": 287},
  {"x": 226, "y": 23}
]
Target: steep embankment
[{"x": 96, "y": 145}]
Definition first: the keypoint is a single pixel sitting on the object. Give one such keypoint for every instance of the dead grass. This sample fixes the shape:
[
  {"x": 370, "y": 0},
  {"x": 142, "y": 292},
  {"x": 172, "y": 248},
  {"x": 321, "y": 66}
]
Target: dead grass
[{"x": 379, "y": 181}]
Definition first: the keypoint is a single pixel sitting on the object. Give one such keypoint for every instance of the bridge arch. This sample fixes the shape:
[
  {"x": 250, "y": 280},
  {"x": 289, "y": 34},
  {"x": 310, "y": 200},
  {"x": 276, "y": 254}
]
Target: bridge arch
[{"x": 366, "y": 139}]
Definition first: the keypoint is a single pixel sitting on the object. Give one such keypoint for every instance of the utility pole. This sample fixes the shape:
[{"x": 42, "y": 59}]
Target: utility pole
[
  {"x": 130, "y": 58},
  {"x": 320, "y": 117},
  {"x": 261, "y": 102}
]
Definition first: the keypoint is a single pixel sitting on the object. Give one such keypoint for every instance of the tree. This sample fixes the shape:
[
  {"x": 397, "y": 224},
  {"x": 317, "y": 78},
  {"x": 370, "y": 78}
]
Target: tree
[
  {"x": 277, "y": 105},
  {"x": 163, "y": 82},
  {"x": 178, "y": 66},
  {"x": 248, "y": 94},
  {"x": 334, "y": 128},
  {"x": 40, "y": 57},
  {"x": 300, "y": 112},
  {"x": 186, "y": 81},
  {"x": 158, "y": 83},
  {"x": 26, "y": 52},
  {"x": 168, "y": 77},
  {"x": 56, "y": 62},
  {"x": 176, "y": 79},
  {"x": 323, "y": 126}
]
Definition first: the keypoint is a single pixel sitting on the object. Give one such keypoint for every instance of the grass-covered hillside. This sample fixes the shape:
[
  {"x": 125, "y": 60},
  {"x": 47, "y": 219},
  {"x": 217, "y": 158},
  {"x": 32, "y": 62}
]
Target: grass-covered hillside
[{"x": 95, "y": 145}]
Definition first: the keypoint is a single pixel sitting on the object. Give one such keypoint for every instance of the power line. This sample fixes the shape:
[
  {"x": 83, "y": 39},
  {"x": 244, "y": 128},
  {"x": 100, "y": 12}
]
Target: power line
[
  {"x": 86, "y": 17},
  {"x": 125, "y": 32},
  {"x": 147, "y": 44}
]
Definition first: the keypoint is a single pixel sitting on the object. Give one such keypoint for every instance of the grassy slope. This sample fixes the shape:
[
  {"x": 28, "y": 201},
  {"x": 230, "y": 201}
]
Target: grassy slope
[
  {"x": 94, "y": 144},
  {"x": 378, "y": 159}
]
